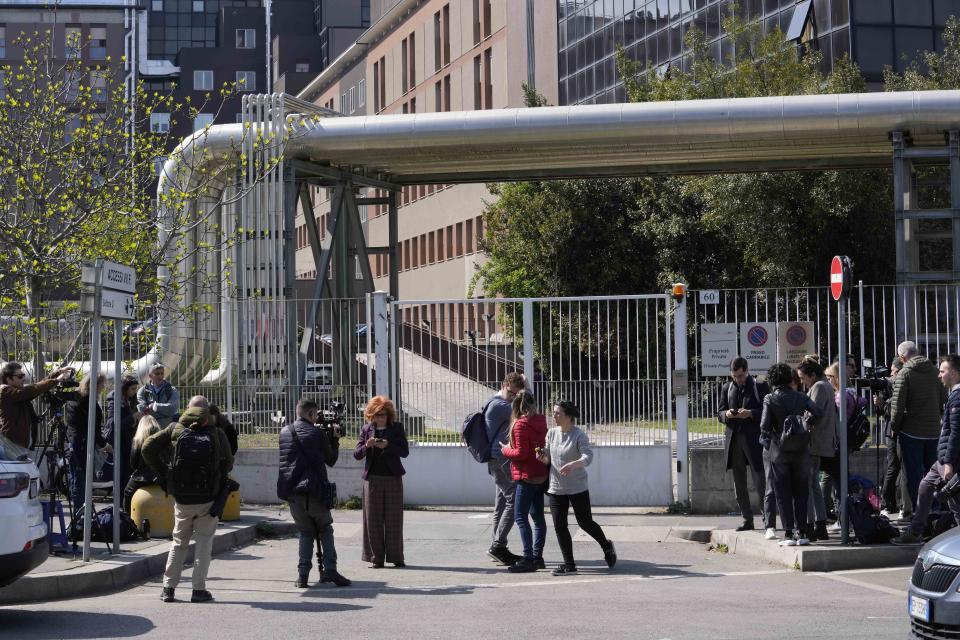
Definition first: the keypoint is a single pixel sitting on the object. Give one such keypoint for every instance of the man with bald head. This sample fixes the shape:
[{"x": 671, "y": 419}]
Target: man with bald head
[{"x": 915, "y": 409}]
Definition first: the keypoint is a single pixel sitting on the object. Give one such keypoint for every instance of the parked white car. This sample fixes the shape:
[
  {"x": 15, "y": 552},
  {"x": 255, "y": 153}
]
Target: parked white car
[{"x": 23, "y": 533}]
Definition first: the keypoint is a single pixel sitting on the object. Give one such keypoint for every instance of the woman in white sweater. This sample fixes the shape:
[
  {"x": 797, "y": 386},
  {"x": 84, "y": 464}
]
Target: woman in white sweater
[{"x": 568, "y": 453}]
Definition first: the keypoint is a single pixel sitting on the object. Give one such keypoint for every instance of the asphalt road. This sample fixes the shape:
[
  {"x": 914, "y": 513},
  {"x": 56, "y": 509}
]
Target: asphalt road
[{"x": 451, "y": 590}]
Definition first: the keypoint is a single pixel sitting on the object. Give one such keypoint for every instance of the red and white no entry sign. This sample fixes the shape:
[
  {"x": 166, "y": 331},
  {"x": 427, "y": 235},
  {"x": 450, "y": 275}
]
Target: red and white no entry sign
[{"x": 840, "y": 277}]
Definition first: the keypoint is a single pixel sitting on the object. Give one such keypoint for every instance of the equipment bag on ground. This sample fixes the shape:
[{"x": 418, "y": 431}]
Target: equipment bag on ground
[{"x": 101, "y": 526}]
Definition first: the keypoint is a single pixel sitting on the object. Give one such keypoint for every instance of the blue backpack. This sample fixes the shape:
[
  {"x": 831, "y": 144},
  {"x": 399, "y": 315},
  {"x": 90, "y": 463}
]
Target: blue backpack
[{"x": 474, "y": 435}]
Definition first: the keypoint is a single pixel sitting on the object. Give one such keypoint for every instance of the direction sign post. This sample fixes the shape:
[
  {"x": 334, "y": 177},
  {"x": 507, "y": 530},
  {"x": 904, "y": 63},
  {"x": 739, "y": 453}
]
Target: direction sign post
[
  {"x": 107, "y": 292},
  {"x": 841, "y": 278}
]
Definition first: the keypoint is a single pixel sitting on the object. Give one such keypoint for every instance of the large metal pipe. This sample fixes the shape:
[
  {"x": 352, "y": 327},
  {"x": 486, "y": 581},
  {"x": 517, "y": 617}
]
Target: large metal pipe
[{"x": 732, "y": 135}]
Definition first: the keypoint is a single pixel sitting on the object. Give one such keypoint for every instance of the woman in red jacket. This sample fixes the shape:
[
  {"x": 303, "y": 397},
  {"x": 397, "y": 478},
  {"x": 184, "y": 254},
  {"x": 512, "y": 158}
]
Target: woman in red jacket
[{"x": 528, "y": 432}]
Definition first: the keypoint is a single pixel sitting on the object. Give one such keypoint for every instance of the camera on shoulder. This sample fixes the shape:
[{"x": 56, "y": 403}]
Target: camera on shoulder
[{"x": 331, "y": 420}]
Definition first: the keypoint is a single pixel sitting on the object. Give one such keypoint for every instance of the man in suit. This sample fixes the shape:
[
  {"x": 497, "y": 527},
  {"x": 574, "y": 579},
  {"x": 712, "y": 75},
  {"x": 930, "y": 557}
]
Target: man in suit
[{"x": 739, "y": 409}]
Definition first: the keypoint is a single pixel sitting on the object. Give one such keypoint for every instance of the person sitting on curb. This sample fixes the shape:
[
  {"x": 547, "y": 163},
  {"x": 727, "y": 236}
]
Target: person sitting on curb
[
  {"x": 948, "y": 455},
  {"x": 195, "y": 458}
]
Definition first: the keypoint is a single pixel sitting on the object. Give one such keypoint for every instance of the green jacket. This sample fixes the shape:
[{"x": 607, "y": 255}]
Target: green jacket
[
  {"x": 157, "y": 450},
  {"x": 918, "y": 399}
]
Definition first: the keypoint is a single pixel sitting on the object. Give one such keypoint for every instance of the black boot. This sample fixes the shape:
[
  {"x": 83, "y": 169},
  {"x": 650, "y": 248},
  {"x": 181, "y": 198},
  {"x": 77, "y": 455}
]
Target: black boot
[
  {"x": 746, "y": 526},
  {"x": 301, "y": 582},
  {"x": 820, "y": 531}
]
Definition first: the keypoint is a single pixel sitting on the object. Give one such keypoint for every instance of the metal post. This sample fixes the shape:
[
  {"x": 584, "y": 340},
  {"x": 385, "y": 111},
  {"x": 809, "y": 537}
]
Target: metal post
[
  {"x": 393, "y": 239},
  {"x": 381, "y": 346},
  {"x": 681, "y": 393},
  {"x": 844, "y": 463},
  {"x": 295, "y": 368},
  {"x": 118, "y": 457},
  {"x": 369, "y": 341},
  {"x": 528, "y": 342},
  {"x": 92, "y": 412}
]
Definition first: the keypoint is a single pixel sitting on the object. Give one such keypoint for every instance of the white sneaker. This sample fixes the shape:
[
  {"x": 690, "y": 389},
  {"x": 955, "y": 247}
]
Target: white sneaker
[
  {"x": 770, "y": 533},
  {"x": 894, "y": 515},
  {"x": 835, "y": 526},
  {"x": 789, "y": 542},
  {"x": 801, "y": 541}
]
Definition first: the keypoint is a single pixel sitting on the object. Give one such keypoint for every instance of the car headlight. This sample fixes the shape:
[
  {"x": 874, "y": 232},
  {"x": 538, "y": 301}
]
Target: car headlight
[{"x": 11, "y": 484}]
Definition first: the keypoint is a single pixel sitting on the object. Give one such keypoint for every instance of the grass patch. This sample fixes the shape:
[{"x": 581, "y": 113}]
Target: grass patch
[
  {"x": 719, "y": 548},
  {"x": 352, "y": 503}
]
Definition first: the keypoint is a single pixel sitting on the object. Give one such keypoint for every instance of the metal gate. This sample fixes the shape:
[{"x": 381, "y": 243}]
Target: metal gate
[{"x": 609, "y": 355}]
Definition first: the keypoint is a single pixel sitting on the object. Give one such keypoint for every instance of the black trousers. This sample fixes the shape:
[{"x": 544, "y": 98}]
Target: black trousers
[
  {"x": 739, "y": 454},
  {"x": 894, "y": 493},
  {"x": 791, "y": 474},
  {"x": 559, "y": 508}
]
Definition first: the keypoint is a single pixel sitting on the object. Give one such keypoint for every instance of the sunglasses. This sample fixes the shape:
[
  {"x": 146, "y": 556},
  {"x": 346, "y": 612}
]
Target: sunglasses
[
  {"x": 21, "y": 376},
  {"x": 380, "y": 414}
]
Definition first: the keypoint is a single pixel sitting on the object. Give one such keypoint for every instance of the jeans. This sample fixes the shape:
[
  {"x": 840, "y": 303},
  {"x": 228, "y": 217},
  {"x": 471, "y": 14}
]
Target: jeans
[
  {"x": 529, "y": 500},
  {"x": 315, "y": 524},
  {"x": 559, "y": 508},
  {"x": 739, "y": 452},
  {"x": 499, "y": 469},
  {"x": 925, "y": 491},
  {"x": 917, "y": 455},
  {"x": 791, "y": 474},
  {"x": 816, "y": 509}
]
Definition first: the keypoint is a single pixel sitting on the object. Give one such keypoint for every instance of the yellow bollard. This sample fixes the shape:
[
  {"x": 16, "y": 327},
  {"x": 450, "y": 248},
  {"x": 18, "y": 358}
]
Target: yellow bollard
[
  {"x": 231, "y": 510},
  {"x": 151, "y": 503}
]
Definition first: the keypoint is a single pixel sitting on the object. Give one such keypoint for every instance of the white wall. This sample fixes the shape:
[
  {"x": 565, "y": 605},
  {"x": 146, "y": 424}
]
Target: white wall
[{"x": 439, "y": 475}]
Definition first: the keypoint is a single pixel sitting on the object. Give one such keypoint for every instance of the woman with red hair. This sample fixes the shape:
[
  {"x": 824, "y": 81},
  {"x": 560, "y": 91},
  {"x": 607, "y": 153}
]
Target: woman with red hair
[{"x": 382, "y": 443}]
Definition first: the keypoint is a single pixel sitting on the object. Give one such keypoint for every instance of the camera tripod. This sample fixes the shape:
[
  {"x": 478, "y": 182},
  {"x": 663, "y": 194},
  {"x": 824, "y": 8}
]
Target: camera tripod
[{"x": 57, "y": 482}]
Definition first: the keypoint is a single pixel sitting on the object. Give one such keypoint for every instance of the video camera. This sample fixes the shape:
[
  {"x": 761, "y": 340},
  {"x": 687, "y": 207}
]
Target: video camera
[
  {"x": 948, "y": 489},
  {"x": 62, "y": 393},
  {"x": 877, "y": 379},
  {"x": 332, "y": 419}
]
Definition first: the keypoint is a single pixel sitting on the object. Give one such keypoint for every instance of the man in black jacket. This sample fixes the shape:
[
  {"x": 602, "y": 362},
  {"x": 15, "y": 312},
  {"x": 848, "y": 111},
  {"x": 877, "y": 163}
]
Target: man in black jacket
[
  {"x": 739, "y": 408},
  {"x": 948, "y": 455},
  {"x": 306, "y": 451}
]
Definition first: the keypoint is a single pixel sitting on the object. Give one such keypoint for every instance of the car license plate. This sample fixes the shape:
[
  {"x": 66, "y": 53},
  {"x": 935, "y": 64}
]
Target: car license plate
[{"x": 920, "y": 608}]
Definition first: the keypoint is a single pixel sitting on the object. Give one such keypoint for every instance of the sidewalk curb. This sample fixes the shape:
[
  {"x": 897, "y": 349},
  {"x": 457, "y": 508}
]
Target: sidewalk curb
[
  {"x": 128, "y": 568},
  {"x": 831, "y": 557}
]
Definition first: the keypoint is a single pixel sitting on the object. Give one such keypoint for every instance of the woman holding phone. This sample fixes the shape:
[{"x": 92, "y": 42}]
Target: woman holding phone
[{"x": 382, "y": 443}]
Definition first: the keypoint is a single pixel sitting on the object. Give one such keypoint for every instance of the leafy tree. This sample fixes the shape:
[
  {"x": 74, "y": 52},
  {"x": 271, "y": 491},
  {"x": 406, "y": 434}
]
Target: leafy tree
[
  {"x": 78, "y": 177},
  {"x": 615, "y": 236}
]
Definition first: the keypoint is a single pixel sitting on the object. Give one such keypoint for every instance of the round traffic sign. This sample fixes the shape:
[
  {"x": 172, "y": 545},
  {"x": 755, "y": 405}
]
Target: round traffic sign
[
  {"x": 796, "y": 335},
  {"x": 840, "y": 277},
  {"x": 757, "y": 336}
]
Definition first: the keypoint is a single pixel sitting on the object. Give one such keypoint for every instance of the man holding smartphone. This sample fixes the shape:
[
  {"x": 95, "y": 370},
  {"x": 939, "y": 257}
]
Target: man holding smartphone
[{"x": 739, "y": 409}]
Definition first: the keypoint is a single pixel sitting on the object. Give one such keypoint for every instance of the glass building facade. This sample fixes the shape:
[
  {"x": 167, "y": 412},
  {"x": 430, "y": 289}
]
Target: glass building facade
[
  {"x": 181, "y": 24},
  {"x": 874, "y": 32}
]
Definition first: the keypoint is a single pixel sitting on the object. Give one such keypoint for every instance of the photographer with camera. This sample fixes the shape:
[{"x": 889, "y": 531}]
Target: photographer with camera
[
  {"x": 893, "y": 483},
  {"x": 948, "y": 457},
  {"x": 307, "y": 448},
  {"x": 75, "y": 416},
  {"x": 18, "y": 419}
]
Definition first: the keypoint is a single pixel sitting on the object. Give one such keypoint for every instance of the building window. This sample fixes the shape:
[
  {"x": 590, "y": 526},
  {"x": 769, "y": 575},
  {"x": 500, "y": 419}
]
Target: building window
[
  {"x": 446, "y": 34},
  {"x": 379, "y": 85},
  {"x": 446, "y": 92},
  {"x": 362, "y": 93},
  {"x": 364, "y": 13},
  {"x": 239, "y": 118},
  {"x": 437, "y": 42},
  {"x": 98, "y": 43},
  {"x": 72, "y": 42},
  {"x": 71, "y": 85},
  {"x": 404, "y": 66},
  {"x": 343, "y": 102},
  {"x": 303, "y": 66},
  {"x": 487, "y": 17},
  {"x": 198, "y": 6},
  {"x": 488, "y": 78},
  {"x": 202, "y": 121},
  {"x": 156, "y": 5},
  {"x": 202, "y": 80},
  {"x": 246, "y": 38},
  {"x": 246, "y": 80},
  {"x": 477, "y": 83},
  {"x": 3, "y": 41},
  {"x": 350, "y": 99},
  {"x": 438, "y": 96},
  {"x": 3, "y": 84},
  {"x": 160, "y": 122},
  {"x": 98, "y": 87}
]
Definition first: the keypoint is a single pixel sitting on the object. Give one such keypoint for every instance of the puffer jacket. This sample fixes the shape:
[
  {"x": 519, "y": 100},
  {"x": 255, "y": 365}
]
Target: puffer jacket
[
  {"x": 917, "y": 399},
  {"x": 529, "y": 432},
  {"x": 303, "y": 468},
  {"x": 948, "y": 448}
]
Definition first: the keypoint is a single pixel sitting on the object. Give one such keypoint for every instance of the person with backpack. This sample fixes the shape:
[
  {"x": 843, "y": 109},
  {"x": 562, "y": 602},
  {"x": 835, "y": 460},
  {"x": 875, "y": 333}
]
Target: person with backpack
[
  {"x": 568, "y": 454},
  {"x": 194, "y": 456},
  {"x": 738, "y": 409},
  {"x": 496, "y": 416},
  {"x": 823, "y": 442},
  {"x": 783, "y": 433},
  {"x": 306, "y": 450},
  {"x": 527, "y": 433},
  {"x": 948, "y": 455}
]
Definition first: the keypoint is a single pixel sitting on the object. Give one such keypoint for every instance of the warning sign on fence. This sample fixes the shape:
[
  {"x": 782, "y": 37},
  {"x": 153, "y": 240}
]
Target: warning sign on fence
[
  {"x": 718, "y": 346},
  {"x": 758, "y": 344},
  {"x": 796, "y": 341}
]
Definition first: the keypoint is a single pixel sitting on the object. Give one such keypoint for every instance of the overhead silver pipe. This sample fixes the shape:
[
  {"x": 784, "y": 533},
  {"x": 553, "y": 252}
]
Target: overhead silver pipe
[{"x": 731, "y": 135}]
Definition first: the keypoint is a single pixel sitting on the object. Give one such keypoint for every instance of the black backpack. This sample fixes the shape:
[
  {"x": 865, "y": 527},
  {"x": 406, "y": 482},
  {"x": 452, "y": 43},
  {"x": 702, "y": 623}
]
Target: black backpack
[
  {"x": 869, "y": 527},
  {"x": 101, "y": 526},
  {"x": 474, "y": 434},
  {"x": 795, "y": 435},
  {"x": 193, "y": 467},
  {"x": 858, "y": 430}
]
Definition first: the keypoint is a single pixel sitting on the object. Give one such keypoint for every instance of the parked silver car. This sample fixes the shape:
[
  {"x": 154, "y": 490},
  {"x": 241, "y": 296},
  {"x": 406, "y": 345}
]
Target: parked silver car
[{"x": 933, "y": 603}]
